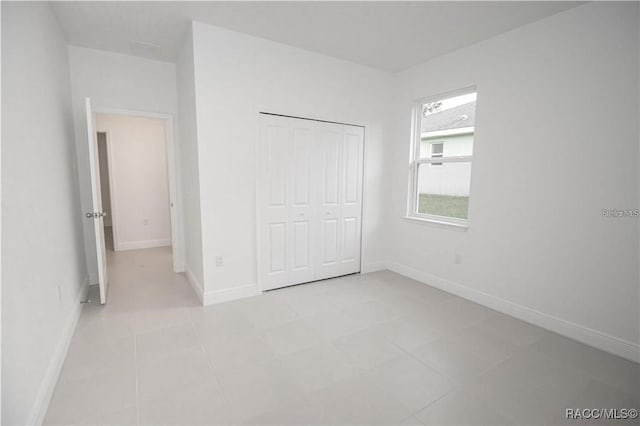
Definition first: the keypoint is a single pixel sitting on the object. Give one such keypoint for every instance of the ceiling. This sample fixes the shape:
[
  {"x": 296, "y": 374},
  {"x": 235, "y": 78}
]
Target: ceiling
[{"x": 390, "y": 36}]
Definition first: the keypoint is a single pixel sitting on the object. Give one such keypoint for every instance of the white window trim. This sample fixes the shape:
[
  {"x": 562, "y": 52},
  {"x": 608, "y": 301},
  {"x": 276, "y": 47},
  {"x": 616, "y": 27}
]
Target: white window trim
[
  {"x": 415, "y": 161},
  {"x": 448, "y": 132}
]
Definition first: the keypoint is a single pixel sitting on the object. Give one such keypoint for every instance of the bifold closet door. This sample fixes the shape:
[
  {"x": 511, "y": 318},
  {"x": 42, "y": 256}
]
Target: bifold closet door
[
  {"x": 285, "y": 194},
  {"x": 310, "y": 200}
]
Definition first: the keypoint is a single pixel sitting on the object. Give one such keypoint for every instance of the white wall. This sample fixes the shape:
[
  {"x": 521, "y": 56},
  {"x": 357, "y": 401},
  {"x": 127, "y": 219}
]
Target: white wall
[
  {"x": 189, "y": 163},
  {"x": 43, "y": 265},
  {"x": 140, "y": 182},
  {"x": 236, "y": 76},
  {"x": 117, "y": 81},
  {"x": 556, "y": 141}
]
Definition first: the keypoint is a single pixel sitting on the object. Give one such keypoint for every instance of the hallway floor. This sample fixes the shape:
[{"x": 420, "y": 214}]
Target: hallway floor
[{"x": 363, "y": 349}]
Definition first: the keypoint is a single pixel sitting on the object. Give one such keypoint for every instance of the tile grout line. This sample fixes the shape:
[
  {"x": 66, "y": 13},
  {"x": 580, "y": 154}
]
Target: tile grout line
[
  {"x": 135, "y": 353},
  {"x": 210, "y": 363},
  {"x": 453, "y": 382}
]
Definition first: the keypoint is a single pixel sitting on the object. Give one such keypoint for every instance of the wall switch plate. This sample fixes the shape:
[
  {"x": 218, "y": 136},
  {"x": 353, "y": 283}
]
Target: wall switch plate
[
  {"x": 457, "y": 259},
  {"x": 219, "y": 261}
]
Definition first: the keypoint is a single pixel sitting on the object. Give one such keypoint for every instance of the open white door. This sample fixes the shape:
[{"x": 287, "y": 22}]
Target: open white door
[{"x": 97, "y": 214}]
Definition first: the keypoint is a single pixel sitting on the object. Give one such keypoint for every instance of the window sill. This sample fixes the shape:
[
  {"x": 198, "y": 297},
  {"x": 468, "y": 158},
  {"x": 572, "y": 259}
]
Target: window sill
[{"x": 443, "y": 223}]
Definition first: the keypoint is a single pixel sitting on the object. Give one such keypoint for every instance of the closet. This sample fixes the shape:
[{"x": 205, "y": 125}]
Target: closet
[{"x": 309, "y": 200}]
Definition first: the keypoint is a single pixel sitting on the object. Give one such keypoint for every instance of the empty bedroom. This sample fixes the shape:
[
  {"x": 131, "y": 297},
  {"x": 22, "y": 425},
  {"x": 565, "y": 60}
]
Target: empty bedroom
[{"x": 336, "y": 213}]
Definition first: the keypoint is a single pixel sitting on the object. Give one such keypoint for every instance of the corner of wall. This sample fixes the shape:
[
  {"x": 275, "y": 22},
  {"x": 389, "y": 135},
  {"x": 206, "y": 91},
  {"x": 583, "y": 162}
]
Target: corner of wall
[
  {"x": 374, "y": 266},
  {"x": 229, "y": 294},
  {"x": 195, "y": 283},
  {"x": 189, "y": 159}
]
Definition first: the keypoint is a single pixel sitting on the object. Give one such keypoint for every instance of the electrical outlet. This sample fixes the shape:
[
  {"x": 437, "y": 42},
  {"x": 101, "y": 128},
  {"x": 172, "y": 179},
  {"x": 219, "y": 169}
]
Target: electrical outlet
[
  {"x": 146, "y": 222},
  {"x": 219, "y": 261},
  {"x": 457, "y": 258},
  {"x": 59, "y": 293}
]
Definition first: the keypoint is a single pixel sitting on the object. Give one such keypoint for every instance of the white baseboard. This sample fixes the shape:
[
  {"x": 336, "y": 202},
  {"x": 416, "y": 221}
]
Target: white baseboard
[
  {"x": 195, "y": 283},
  {"x": 50, "y": 379},
  {"x": 374, "y": 267},
  {"x": 218, "y": 296},
  {"x": 229, "y": 294},
  {"x": 586, "y": 335},
  {"x": 137, "y": 245}
]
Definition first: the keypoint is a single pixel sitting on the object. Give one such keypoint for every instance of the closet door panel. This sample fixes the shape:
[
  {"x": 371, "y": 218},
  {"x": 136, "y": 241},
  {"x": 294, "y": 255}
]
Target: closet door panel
[
  {"x": 330, "y": 242},
  {"x": 350, "y": 242},
  {"x": 275, "y": 200},
  {"x": 277, "y": 147},
  {"x": 302, "y": 145},
  {"x": 329, "y": 152},
  {"x": 351, "y": 200},
  {"x": 302, "y": 233},
  {"x": 301, "y": 246},
  {"x": 277, "y": 247},
  {"x": 352, "y": 172}
]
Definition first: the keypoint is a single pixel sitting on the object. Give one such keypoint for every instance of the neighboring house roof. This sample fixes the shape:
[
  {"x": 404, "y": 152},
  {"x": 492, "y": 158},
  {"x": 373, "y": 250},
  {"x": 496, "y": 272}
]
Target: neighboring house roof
[{"x": 452, "y": 118}]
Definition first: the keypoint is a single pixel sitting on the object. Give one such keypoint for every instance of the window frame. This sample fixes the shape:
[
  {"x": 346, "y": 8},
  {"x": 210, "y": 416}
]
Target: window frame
[{"x": 415, "y": 161}]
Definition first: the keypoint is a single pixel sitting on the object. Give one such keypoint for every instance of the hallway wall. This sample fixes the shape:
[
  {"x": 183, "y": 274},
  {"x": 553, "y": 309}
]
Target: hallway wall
[
  {"x": 43, "y": 261},
  {"x": 137, "y": 149}
]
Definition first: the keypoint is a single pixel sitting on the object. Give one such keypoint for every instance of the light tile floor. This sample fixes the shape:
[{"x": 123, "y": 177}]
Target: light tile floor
[{"x": 363, "y": 349}]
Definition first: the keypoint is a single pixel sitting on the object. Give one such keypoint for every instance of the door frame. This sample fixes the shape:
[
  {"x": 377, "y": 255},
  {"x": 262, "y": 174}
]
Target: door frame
[
  {"x": 175, "y": 193},
  {"x": 258, "y": 112},
  {"x": 112, "y": 201}
]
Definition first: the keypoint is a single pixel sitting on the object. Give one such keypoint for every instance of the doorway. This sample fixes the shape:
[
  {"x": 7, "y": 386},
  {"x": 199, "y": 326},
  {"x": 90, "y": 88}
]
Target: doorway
[
  {"x": 134, "y": 179},
  {"x": 138, "y": 176}
]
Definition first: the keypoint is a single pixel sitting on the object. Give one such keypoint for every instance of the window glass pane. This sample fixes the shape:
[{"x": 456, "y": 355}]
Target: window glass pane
[
  {"x": 443, "y": 190},
  {"x": 450, "y": 122}
]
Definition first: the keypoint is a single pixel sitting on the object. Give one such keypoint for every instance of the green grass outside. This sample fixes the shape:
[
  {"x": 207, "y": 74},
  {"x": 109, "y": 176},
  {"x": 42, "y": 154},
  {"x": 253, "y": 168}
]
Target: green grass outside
[{"x": 444, "y": 205}]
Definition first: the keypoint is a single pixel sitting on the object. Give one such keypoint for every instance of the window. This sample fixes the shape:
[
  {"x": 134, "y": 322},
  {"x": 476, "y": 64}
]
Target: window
[
  {"x": 436, "y": 152},
  {"x": 441, "y": 158}
]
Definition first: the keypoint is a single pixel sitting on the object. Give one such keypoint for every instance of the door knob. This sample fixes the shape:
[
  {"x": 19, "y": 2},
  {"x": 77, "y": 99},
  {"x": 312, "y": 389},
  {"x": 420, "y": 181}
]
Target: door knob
[{"x": 91, "y": 215}]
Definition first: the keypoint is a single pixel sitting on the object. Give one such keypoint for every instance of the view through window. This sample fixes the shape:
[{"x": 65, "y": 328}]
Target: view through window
[{"x": 442, "y": 158}]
